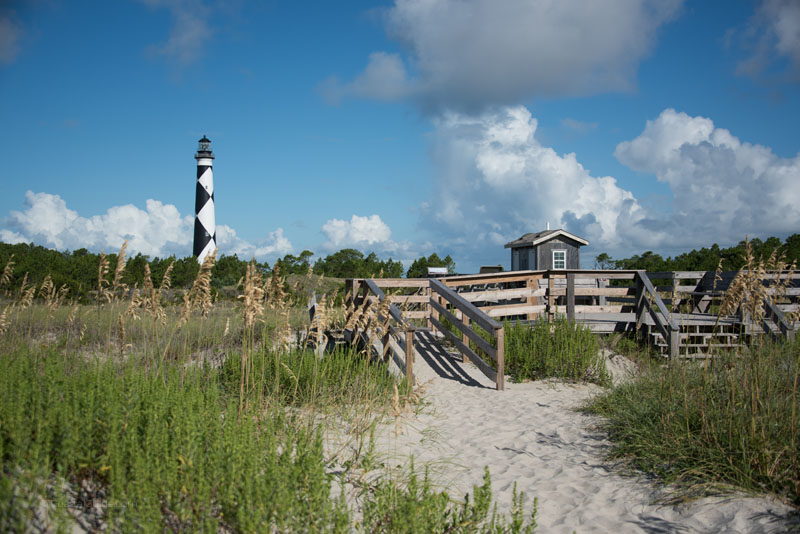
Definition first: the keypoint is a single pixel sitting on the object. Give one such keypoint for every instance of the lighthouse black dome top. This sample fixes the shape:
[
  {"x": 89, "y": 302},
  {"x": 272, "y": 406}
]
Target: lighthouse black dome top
[{"x": 204, "y": 148}]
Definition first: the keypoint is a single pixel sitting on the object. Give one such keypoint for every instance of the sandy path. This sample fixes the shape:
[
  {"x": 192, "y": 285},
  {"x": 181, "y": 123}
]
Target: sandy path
[{"x": 530, "y": 434}]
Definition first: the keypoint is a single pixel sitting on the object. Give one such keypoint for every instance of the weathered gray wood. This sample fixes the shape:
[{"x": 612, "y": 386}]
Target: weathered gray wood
[
  {"x": 780, "y": 319},
  {"x": 464, "y": 349},
  {"x": 466, "y": 307},
  {"x": 500, "y": 379},
  {"x": 502, "y": 294},
  {"x": 404, "y": 299},
  {"x": 571, "y": 296},
  {"x": 648, "y": 286},
  {"x": 519, "y": 309},
  {"x": 415, "y": 314},
  {"x": 400, "y": 282},
  {"x": 410, "y": 356},
  {"x": 467, "y": 331},
  {"x": 393, "y": 310}
]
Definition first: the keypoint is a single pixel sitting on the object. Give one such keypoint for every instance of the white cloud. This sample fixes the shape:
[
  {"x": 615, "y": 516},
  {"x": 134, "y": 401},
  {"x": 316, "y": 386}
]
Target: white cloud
[
  {"x": 774, "y": 32},
  {"x": 159, "y": 230},
  {"x": 496, "y": 182},
  {"x": 190, "y": 30},
  {"x": 723, "y": 188},
  {"x": 357, "y": 232},
  {"x": 469, "y": 54},
  {"x": 10, "y": 35}
]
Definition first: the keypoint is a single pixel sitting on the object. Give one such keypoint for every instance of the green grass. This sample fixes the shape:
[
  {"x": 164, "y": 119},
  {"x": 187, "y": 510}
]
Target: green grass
[
  {"x": 729, "y": 421},
  {"x": 561, "y": 349},
  {"x": 159, "y": 438}
]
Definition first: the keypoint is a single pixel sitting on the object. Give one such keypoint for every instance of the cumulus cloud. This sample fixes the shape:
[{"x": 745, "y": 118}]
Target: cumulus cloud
[
  {"x": 773, "y": 33},
  {"x": 722, "y": 187},
  {"x": 357, "y": 232},
  {"x": 469, "y": 54},
  {"x": 496, "y": 181},
  {"x": 158, "y": 230},
  {"x": 190, "y": 29},
  {"x": 10, "y": 35}
]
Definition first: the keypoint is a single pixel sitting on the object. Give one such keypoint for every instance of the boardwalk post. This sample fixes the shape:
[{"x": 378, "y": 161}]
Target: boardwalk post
[
  {"x": 551, "y": 299},
  {"x": 501, "y": 359},
  {"x": 639, "y": 302},
  {"x": 464, "y": 337},
  {"x": 410, "y": 356},
  {"x": 571, "y": 296}
]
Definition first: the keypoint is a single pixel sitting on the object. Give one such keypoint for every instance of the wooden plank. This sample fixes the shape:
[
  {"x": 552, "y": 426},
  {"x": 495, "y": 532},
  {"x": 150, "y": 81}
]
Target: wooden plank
[
  {"x": 475, "y": 314},
  {"x": 605, "y": 291},
  {"x": 393, "y": 310},
  {"x": 502, "y": 294},
  {"x": 474, "y": 358},
  {"x": 450, "y": 282},
  {"x": 648, "y": 286},
  {"x": 400, "y": 282},
  {"x": 500, "y": 378},
  {"x": 571, "y": 296},
  {"x": 603, "y": 309},
  {"x": 467, "y": 331},
  {"x": 505, "y": 311},
  {"x": 415, "y": 314},
  {"x": 404, "y": 299},
  {"x": 410, "y": 356}
]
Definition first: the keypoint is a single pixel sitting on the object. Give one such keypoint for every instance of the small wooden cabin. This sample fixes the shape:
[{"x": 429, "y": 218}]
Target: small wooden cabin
[{"x": 549, "y": 249}]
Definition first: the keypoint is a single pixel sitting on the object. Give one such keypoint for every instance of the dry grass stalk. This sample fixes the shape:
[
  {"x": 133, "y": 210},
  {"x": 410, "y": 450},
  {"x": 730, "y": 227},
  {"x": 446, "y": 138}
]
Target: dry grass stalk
[
  {"x": 758, "y": 282},
  {"x": 5, "y": 320},
  {"x": 275, "y": 293},
  {"x": 252, "y": 297},
  {"x": 151, "y": 297},
  {"x": 166, "y": 280},
  {"x": 320, "y": 322},
  {"x": 136, "y": 302},
  {"x": 102, "y": 281},
  {"x": 47, "y": 291},
  {"x": 8, "y": 274},
  {"x": 199, "y": 296},
  {"x": 119, "y": 271},
  {"x": 26, "y": 293}
]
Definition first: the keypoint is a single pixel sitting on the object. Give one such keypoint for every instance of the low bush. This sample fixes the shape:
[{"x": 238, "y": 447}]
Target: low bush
[
  {"x": 558, "y": 349},
  {"x": 730, "y": 420}
]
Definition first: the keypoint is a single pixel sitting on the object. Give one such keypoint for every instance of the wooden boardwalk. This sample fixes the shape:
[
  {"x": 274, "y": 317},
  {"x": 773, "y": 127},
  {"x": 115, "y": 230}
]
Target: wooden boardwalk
[{"x": 404, "y": 319}]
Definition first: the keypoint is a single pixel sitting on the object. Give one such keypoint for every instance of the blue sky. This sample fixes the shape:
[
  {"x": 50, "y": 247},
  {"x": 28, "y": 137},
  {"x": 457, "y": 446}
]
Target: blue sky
[{"x": 401, "y": 127}]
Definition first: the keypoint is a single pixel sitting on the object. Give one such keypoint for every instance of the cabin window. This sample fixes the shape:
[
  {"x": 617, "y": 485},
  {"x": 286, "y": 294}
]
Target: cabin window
[{"x": 559, "y": 259}]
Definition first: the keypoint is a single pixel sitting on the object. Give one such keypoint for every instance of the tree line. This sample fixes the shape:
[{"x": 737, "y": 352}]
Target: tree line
[
  {"x": 78, "y": 269},
  {"x": 707, "y": 258}
]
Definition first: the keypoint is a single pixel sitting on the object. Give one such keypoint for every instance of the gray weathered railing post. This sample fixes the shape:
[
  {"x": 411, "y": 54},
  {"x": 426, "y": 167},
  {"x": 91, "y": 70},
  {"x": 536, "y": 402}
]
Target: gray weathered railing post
[
  {"x": 571, "y": 296},
  {"x": 410, "y": 355},
  {"x": 639, "y": 301},
  {"x": 500, "y": 381}
]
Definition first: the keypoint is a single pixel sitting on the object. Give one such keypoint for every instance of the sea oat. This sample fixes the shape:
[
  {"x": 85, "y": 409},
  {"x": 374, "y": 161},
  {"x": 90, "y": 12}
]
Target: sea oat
[
  {"x": 119, "y": 271},
  {"x": 8, "y": 272}
]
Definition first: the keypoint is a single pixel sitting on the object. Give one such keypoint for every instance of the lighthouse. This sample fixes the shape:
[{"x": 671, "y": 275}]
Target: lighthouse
[{"x": 205, "y": 228}]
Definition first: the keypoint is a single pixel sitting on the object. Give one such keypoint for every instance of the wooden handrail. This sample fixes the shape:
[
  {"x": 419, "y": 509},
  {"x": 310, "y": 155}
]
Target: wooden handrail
[
  {"x": 787, "y": 329},
  {"x": 478, "y": 317},
  {"x": 466, "y": 307}
]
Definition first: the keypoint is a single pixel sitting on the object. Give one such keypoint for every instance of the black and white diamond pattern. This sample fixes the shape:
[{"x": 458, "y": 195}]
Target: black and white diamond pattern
[{"x": 205, "y": 229}]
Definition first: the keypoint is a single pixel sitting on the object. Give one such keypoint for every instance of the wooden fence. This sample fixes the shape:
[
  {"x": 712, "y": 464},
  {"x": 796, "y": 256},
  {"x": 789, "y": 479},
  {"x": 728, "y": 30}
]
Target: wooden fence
[{"x": 676, "y": 311}]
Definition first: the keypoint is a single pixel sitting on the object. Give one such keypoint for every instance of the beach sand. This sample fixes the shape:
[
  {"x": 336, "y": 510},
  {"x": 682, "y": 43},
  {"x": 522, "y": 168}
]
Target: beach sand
[{"x": 531, "y": 435}]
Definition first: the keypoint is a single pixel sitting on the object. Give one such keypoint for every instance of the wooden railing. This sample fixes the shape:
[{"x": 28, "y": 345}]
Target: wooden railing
[
  {"x": 648, "y": 300},
  {"x": 448, "y": 305},
  {"x": 773, "y": 312},
  {"x": 384, "y": 330}
]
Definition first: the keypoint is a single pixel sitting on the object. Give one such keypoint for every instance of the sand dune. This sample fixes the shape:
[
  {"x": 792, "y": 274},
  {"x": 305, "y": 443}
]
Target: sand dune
[{"x": 531, "y": 435}]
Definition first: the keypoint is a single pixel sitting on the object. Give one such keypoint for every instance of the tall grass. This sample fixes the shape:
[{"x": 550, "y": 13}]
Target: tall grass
[
  {"x": 167, "y": 449},
  {"x": 560, "y": 349},
  {"x": 730, "y": 420}
]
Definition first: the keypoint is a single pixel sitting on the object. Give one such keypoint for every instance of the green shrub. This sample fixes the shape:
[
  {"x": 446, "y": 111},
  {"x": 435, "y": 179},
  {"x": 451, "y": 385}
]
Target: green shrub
[
  {"x": 731, "y": 420},
  {"x": 561, "y": 349}
]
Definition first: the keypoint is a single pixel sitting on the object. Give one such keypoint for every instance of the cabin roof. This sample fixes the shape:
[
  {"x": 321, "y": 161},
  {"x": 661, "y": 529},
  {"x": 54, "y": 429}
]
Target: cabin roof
[{"x": 535, "y": 238}]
